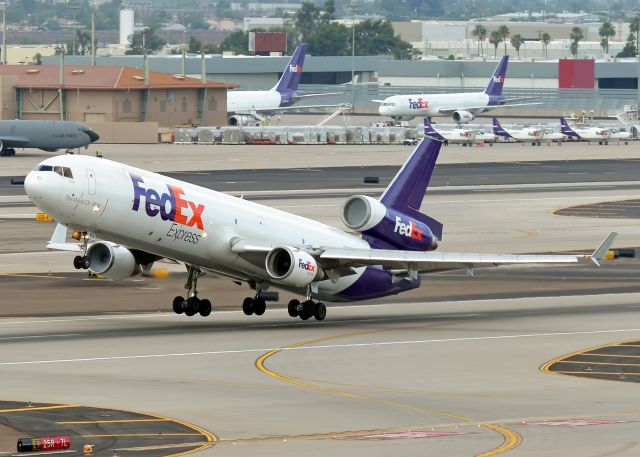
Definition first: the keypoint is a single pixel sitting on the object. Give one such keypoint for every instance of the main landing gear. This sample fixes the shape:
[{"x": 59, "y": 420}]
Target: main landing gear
[
  {"x": 306, "y": 309},
  {"x": 192, "y": 305}
]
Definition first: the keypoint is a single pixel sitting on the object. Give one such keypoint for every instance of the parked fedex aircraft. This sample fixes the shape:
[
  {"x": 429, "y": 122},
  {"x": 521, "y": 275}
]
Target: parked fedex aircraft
[
  {"x": 460, "y": 106},
  {"x": 601, "y": 135},
  {"x": 141, "y": 217},
  {"x": 46, "y": 135},
  {"x": 250, "y": 105},
  {"x": 464, "y": 136},
  {"x": 523, "y": 135},
  {"x": 552, "y": 135}
]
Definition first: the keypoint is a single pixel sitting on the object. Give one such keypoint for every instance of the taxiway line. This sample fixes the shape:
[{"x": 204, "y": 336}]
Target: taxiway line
[{"x": 38, "y": 408}]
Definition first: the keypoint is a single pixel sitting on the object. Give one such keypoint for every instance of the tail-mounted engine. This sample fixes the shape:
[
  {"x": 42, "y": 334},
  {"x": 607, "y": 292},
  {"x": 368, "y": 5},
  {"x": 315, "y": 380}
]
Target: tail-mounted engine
[
  {"x": 370, "y": 217},
  {"x": 292, "y": 266},
  {"x": 112, "y": 260}
]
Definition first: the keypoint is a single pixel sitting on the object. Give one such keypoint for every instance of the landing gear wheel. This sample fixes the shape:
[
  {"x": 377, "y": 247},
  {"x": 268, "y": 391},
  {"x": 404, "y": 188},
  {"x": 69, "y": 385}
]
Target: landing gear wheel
[
  {"x": 205, "y": 308},
  {"x": 84, "y": 262},
  {"x": 193, "y": 304},
  {"x": 293, "y": 307},
  {"x": 320, "y": 312},
  {"x": 259, "y": 306},
  {"x": 77, "y": 262},
  {"x": 606, "y": 142},
  {"x": 177, "y": 305},
  {"x": 247, "y": 306}
]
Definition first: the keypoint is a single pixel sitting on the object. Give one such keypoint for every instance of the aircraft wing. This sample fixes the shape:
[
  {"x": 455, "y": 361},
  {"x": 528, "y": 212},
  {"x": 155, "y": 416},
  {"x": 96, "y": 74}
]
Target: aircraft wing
[
  {"x": 14, "y": 141},
  {"x": 292, "y": 108},
  {"x": 426, "y": 262},
  {"x": 299, "y": 96},
  {"x": 485, "y": 107}
]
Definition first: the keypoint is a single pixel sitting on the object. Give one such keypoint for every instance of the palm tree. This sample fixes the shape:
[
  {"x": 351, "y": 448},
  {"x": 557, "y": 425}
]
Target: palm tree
[
  {"x": 605, "y": 32},
  {"x": 634, "y": 27},
  {"x": 503, "y": 30},
  {"x": 576, "y": 35},
  {"x": 480, "y": 32},
  {"x": 516, "y": 41},
  {"x": 495, "y": 39},
  {"x": 546, "y": 39}
]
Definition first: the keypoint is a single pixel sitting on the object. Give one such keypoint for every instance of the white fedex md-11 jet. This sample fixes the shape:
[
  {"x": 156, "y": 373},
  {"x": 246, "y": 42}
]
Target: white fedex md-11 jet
[{"x": 127, "y": 218}]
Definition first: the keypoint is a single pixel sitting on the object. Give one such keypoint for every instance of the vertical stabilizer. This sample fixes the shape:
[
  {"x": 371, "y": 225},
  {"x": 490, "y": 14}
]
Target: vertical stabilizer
[
  {"x": 293, "y": 71},
  {"x": 566, "y": 130},
  {"x": 407, "y": 189},
  {"x": 497, "y": 80},
  {"x": 499, "y": 130},
  {"x": 430, "y": 131}
]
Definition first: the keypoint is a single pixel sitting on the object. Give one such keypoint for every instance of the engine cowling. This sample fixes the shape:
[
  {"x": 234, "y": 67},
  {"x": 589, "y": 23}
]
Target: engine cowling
[
  {"x": 238, "y": 120},
  {"x": 292, "y": 266},
  {"x": 392, "y": 228},
  {"x": 462, "y": 117},
  {"x": 361, "y": 212},
  {"x": 112, "y": 260}
]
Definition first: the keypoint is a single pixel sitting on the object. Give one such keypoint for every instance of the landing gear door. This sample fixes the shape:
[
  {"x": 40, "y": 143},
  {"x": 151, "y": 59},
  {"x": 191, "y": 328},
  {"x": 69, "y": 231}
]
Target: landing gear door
[{"x": 91, "y": 180}]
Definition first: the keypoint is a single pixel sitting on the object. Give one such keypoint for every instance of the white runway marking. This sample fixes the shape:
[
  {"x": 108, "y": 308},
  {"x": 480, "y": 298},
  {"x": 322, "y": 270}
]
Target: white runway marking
[{"x": 317, "y": 347}]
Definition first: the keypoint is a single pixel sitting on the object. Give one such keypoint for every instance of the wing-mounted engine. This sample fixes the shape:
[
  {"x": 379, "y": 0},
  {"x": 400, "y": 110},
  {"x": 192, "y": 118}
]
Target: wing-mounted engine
[
  {"x": 462, "y": 116},
  {"x": 240, "y": 120},
  {"x": 292, "y": 266},
  {"x": 112, "y": 260},
  {"x": 401, "y": 231}
]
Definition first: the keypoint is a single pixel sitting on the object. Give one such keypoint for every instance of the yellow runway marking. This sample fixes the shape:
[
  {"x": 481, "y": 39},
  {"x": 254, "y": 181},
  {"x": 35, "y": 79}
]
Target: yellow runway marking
[
  {"x": 608, "y": 373},
  {"x": 151, "y": 435},
  {"x": 38, "y": 408},
  {"x": 579, "y": 362},
  {"x": 511, "y": 439},
  {"x": 613, "y": 355},
  {"x": 114, "y": 421}
]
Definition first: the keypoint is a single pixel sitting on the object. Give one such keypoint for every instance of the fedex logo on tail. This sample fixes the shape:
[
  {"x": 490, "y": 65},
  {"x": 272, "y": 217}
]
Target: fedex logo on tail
[
  {"x": 498, "y": 79},
  {"x": 170, "y": 205},
  {"x": 418, "y": 104},
  {"x": 409, "y": 230},
  {"x": 295, "y": 68}
]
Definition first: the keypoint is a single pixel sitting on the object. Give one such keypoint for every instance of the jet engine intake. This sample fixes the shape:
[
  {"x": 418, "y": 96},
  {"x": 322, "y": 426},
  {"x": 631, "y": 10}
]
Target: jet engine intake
[
  {"x": 292, "y": 266},
  {"x": 112, "y": 260},
  {"x": 361, "y": 212},
  {"x": 240, "y": 120},
  {"x": 462, "y": 117}
]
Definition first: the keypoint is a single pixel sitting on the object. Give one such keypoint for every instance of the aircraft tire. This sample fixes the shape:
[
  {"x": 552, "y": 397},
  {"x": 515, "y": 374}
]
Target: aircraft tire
[
  {"x": 193, "y": 304},
  {"x": 320, "y": 312},
  {"x": 247, "y": 306},
  {"x": 205, "y": 308},
  {"x": 293, "y": 307},
  {"x": 259, "y": 306},
  {"x": 606, "y": 143},
  {"x": 77, "y": 262},
  {"x": 304, "y": 317},
  {"x": 84, "y": 262},
  {"x": 177, "y": 305}
]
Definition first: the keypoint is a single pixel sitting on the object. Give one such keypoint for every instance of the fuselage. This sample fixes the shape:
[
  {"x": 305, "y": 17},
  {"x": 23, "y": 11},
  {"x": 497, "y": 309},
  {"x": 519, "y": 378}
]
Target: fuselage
[
  {"x": 254, "y": 100},
  {"x": 434, "y": 105},
  {"x": 525, "y": 135},
  {"x": 177, "y": 220},
  {"x": 47, "y": 135}
]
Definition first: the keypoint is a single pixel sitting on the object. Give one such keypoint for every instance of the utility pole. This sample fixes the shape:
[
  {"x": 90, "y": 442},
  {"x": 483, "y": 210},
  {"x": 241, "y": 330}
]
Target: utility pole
[
  {"x": 4, "y": 33},
  {"x": 353, "y": 9}
]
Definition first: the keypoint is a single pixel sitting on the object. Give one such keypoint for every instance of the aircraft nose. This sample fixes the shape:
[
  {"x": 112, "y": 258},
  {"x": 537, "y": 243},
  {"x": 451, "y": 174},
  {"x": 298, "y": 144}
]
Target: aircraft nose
[
  {"x": 93, "y": 136},
  {"x": 33, "y": 186}
]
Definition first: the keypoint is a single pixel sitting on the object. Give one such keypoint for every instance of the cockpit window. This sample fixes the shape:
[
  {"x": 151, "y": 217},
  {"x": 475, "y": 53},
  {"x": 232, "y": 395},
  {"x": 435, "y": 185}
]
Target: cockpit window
[
  {"x": 58, "y": 169},
  {"x": 62, "y": 171},
  {"x": 67, "y": 172},
  {"x": 45, "y": 168}
]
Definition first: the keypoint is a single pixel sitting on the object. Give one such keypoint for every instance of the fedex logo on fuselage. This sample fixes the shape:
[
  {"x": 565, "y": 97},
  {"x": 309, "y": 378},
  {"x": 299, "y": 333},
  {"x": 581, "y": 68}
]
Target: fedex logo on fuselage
[
  {"x": 295, "y": 68},
  {"x": 306, "y": 266},
  {"x": 409, "y": 230},
  {"x": 421, "y": 103},
  {"x": 169, "y": 205}
]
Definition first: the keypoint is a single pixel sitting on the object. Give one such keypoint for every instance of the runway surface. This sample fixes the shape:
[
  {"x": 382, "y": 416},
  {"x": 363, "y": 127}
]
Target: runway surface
[{"x": 459, "y": 367}]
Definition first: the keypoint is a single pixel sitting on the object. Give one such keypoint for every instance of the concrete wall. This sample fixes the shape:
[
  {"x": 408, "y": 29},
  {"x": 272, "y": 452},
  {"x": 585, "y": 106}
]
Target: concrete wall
[
  {"x": 126, "y": 132},
  {"x": 7, "y": 97}
]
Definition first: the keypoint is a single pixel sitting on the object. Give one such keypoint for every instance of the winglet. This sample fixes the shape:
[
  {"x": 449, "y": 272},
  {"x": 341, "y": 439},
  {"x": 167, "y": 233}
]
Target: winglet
[{"x": 601, "y": 251}]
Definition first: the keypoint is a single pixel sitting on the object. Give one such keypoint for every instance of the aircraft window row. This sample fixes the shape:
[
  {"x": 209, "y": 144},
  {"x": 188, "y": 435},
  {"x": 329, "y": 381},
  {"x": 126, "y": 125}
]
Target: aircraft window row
[{"x": 62, "y": 171}]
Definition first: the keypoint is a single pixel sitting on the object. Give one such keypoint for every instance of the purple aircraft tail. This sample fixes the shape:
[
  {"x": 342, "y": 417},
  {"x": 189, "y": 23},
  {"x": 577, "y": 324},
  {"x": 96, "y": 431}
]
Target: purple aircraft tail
[
  {"x": 406, "y": 191},
  {"x": 497, "y": 80},
  {"x": 430, "y": 131},
  {"x": 293, "y": 71},
  {"x": 566, "y": 130},
  {"x": 498, "y": 130}
]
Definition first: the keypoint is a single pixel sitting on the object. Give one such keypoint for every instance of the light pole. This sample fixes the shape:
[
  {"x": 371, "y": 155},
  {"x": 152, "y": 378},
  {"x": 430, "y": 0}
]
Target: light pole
[
  {"x": 353, "y": 8},
  {"x": 4, "y": 33}
]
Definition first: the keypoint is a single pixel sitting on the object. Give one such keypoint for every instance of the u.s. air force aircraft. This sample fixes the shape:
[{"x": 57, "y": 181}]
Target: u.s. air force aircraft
[{"x": 128, "y": 218}]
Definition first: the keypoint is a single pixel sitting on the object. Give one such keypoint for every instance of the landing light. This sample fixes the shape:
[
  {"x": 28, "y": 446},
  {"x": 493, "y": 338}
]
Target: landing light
[{"x": 95, "y": 208}]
